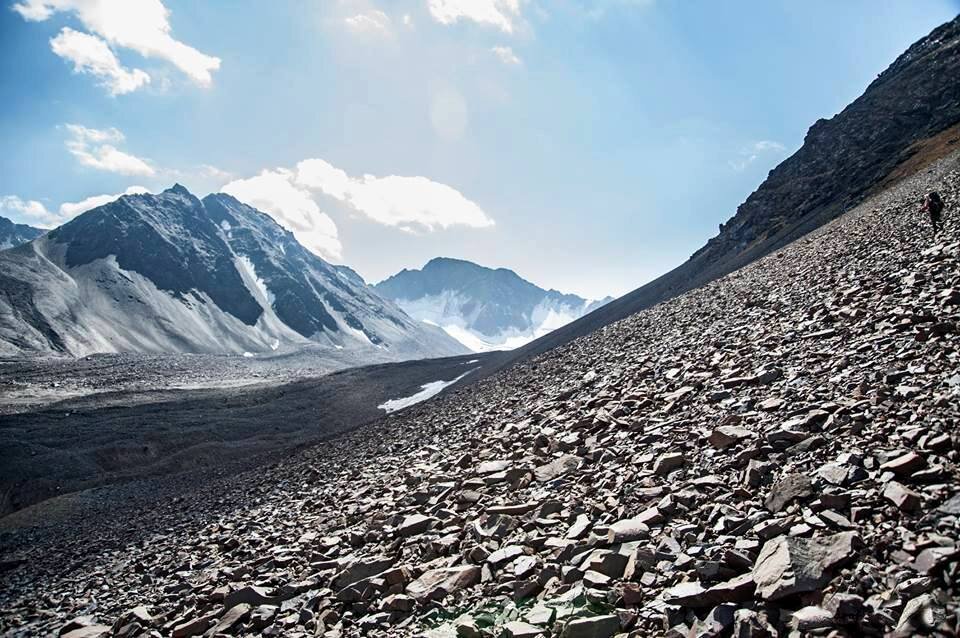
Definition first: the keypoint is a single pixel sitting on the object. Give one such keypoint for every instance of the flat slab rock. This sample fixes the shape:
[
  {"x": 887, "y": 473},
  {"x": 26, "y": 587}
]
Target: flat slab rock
[
  {"x": 788, "y": 488},
  {"x": 788, "y": 565},
  {"x": 437, "y": 583}
]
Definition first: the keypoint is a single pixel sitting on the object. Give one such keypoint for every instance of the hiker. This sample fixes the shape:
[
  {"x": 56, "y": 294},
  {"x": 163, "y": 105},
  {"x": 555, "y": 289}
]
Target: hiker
[{"x": 933, "y": 205}]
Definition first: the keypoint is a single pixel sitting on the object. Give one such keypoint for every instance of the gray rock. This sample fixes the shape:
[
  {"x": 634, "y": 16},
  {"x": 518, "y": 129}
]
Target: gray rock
[
  {"x": 787, "y": 489},
  {"x": 592, "y": 627},
  {"x": 789, "y": 565},
  {"x": 437, "y": 583}
]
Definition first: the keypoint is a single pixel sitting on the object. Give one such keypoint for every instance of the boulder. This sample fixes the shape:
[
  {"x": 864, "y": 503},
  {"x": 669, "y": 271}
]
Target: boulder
[
  {"x": 437, "y": 583},
  {"x": 789, "y": 565}
]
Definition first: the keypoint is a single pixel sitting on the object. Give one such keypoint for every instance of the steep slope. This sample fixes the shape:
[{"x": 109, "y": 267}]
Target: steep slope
[
  {"x": 842, "y": 159},
  {"x": 484, "y": 308},
  {"x": 773, "y": 452},
  {"x": 15, "y": 234},
  {"x": 171, "y": 273}
]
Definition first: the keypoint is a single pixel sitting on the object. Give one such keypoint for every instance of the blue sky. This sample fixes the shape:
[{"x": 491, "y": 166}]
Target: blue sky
[{"x": 590, "y": 146}]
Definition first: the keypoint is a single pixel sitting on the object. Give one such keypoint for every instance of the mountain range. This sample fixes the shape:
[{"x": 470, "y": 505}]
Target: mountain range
[
  {"x": 12, "y": 234},
  {"x": 483, "y": 308},
  {"x": 172, "y": 273}
]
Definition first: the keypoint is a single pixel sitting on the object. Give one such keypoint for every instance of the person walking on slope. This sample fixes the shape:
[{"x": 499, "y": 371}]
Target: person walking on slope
[{"x": 934, "y": 205}]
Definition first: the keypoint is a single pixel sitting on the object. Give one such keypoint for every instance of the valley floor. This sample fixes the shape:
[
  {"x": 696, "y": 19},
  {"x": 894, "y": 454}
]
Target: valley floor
[
  {"x": 775, "y": 452},
  {"x": 82, "y": 436}
]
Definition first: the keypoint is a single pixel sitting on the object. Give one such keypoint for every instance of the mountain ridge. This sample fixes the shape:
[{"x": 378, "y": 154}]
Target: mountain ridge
[
  {"x": 13, "y": 234},
  {"x": 169, "y": 272}
]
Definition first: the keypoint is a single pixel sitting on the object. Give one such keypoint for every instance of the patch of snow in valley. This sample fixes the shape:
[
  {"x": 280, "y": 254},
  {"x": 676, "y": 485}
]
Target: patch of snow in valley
[{"x": 427, "y": 390}]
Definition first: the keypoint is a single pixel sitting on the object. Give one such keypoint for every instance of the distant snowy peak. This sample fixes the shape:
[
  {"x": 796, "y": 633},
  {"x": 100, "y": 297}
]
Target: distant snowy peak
[
  {"x": 12, "y": 235},
  {"x": 173, "y": 273},
  {"x": 483, "y": 308}
]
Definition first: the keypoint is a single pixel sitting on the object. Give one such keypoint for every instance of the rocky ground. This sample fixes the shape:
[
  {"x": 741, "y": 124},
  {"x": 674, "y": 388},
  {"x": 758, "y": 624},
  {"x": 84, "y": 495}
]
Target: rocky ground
[{"x": 774, "y": 454}]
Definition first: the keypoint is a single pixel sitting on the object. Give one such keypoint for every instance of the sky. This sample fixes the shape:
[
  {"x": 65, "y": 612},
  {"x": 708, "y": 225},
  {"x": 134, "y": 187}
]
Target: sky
[{"x": 589, "y": 146}]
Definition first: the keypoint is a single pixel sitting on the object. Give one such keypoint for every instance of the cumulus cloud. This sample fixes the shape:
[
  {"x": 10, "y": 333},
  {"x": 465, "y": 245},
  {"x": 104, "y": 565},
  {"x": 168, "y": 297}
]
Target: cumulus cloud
[
  {"x": 139, "y": 25},
  {"x": 501, "y": 14},
  {"x": 28, "y": 211},
  {"x": 95, "y": 148},
  {"x": 69, "y": 210},
  {"x": 91, "y": 55},
  {"x": 409, "y": 203},
  {"x": 749, "y": 154},
  {"x": 35, "y": 213},
  {"x": 506, "y": 55},
  {"x": 292, "y": 206},
  {"x": 372, "y": 21}
]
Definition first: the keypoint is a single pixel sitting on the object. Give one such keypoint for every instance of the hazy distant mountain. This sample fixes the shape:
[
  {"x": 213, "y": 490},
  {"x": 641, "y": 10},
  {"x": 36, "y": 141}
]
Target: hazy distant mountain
[
  {"x": 15, "y": 234},
  {"x": 484, "y": 308},
  {"x": 172, "y": 273}
]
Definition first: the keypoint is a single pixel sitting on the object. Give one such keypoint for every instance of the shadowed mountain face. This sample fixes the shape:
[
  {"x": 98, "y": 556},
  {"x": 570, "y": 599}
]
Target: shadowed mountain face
[
  {"x": 15, "y": 234},
  {"x": 484, "y": 308},
  {"x": 906, "y": 113},
  {"x": 172, "y": 273}
]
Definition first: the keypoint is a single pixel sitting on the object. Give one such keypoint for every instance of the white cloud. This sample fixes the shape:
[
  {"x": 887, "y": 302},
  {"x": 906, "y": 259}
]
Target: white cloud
[
  {"x": 90, "y": 54},
  {"x": 207, "y": 170},
  {"x": 69, "y": 210},
  {"x": 140, "y": 25},
  {"x": 496, "y": 13},
  {"x": 506, "y": 55},
  {"x": 371, "y": 21},
  {"x": 749, "y": 154},
  {"x": 409, "y": 203},
  {"x": 34, "y": 212},
  {"x": 768, "y": 145},
  {"x": 27, "y": 211},
  {"x": 91, "y": 148},
  {"x": 275, "y": 192}
]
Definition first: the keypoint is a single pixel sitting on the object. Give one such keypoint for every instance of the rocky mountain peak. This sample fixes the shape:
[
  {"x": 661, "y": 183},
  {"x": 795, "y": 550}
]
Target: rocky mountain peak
[{"x": 170, "y": 272}]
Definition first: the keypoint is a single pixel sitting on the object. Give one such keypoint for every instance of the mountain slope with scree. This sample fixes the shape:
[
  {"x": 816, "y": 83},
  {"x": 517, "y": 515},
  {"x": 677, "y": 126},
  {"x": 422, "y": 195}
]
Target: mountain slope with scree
[{"x": 774, "y": 452}]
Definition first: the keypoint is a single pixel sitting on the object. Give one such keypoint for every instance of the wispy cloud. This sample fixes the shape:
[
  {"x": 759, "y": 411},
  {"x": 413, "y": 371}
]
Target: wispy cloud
[
  {"x": 139, "y": 25},
  {"x": 372, "y": 21},
  {"x": 751, "y": 153},
  {"x": 501, "y": 14},
  {"x": 276, "y": 192},
  {"x": 95, "y": 148},
  {"x": 506, "y": 55},
  {"x": 28, "y": 211},
  {"x": 91, "y": 55},
  {"x": 36, "y": 213},
  {"x": 409, "y": 203},
  {"x": 69, "y": 210}
]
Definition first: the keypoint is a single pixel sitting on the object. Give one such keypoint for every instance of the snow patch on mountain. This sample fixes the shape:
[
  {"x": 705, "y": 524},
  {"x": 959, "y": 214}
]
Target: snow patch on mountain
[
  {"x": 456, "y": 314},
  {"x": 256, "y": 285},
  {"x": 482, "y": 308}
]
